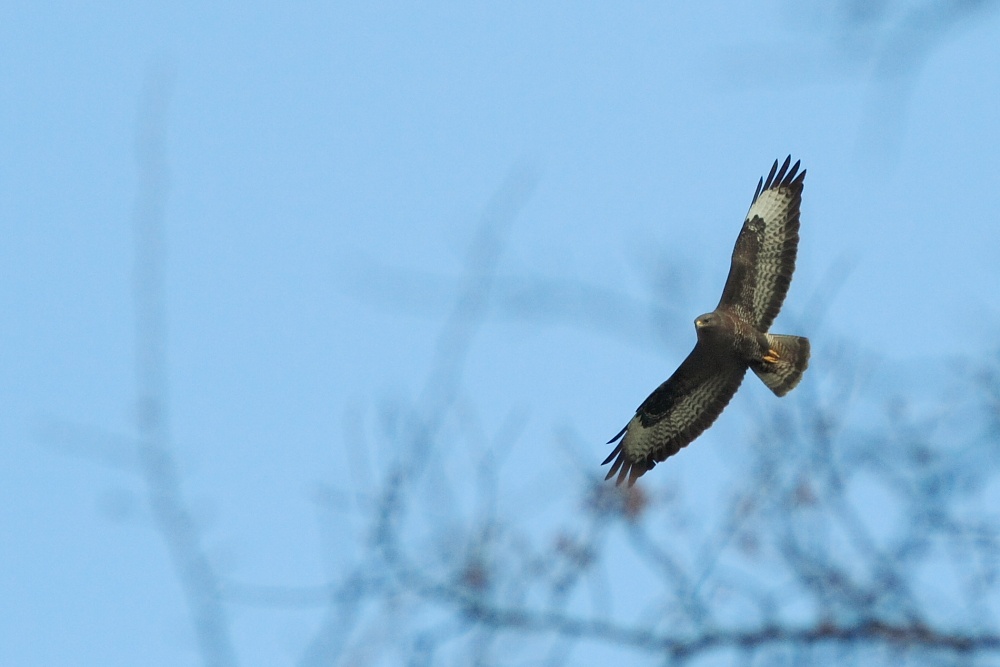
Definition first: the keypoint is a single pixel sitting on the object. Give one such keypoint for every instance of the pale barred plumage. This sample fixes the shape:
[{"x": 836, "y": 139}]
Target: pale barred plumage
[{"x": 731, "y": 339}]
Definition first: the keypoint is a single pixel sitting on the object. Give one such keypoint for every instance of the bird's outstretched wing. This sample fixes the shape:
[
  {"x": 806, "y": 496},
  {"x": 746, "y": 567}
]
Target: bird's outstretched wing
[
  {"x": 764, "y": 256},
  {"x": 676, "y": 413}
]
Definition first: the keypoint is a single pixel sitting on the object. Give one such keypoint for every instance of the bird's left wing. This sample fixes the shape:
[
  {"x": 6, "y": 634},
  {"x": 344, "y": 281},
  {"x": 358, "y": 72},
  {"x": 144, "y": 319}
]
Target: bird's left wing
[
  {"x": 764, "y": 256},
  {"x": 675, "y": 413}
]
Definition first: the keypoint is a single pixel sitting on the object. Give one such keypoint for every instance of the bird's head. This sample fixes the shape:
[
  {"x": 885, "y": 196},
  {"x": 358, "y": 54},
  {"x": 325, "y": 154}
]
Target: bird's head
[{"x": 707, "y": 323}]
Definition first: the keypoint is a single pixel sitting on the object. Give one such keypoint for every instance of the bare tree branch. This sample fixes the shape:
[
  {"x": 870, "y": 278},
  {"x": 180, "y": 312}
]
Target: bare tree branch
[{"x": 158, "y": 468}]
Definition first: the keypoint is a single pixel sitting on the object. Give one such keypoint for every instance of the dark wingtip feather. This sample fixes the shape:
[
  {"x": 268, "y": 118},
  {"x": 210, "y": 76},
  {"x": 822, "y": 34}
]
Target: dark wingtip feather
[
  {"x": 785, "y": 175},
  {"x": 621, "y": 476},
  {"x": 760, "y": 184},
  {"x": 789, "y": 177},
  {"x": 613, "y": 453},
  {"x": 770, "y": 175},
  {"x": 780, "y": 176},
  {"x": 618, "y": 464},
  {"x": 620, "y": 434}
]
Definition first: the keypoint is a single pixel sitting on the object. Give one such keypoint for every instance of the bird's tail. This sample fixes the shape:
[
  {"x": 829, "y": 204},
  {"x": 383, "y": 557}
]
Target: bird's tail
[{"x": 784, "y": 363}]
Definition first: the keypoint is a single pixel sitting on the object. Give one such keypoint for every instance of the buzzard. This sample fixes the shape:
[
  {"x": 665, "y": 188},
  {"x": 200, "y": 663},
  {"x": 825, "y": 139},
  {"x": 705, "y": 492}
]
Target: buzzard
[{"x": 731, "y": 339}]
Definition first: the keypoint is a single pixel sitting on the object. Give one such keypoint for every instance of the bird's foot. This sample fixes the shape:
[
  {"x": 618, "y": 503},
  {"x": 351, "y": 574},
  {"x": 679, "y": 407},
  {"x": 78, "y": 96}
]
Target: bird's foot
[{"x": 772, "y": 356}]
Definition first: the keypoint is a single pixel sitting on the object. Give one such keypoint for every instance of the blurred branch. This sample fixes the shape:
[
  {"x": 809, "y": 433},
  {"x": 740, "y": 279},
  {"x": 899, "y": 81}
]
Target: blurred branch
[
  {"x": 474, "y": 298},
  {"x": 158, "y": 467},
  {"x": 88, "y": 442},
  {"x": 902, "y": 36},
  {"x": 882, "y": 43},
  {"x": 536, "y": 300},
  {"x": 436, "y": 401}
]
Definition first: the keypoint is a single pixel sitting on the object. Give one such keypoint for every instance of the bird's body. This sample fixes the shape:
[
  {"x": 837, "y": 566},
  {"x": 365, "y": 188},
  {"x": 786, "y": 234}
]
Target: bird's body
[{"x": 731, "y": 339}]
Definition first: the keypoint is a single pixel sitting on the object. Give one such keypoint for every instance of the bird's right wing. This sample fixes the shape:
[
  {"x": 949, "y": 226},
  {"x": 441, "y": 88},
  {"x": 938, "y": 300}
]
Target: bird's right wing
[
  {"x": 675, "y": 414},
  {"x": 764, "y": 256}
]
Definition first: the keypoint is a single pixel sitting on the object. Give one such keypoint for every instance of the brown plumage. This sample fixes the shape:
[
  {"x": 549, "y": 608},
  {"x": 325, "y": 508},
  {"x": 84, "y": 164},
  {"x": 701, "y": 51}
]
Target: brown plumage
[{"x": 731, "y": 339}]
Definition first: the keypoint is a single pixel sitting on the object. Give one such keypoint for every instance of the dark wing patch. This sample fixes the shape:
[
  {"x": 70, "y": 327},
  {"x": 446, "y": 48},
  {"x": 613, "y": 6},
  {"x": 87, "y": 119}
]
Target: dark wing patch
[
  {"x": 764, "y": 256},
  {"x": 676, "y": 413}
]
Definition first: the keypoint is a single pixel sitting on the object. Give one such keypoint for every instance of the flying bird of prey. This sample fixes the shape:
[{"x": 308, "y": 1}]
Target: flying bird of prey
[{"x": 731, "y": 339}]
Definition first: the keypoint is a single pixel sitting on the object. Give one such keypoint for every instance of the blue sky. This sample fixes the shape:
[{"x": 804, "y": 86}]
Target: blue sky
[{"x": 328, "y": 165}]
